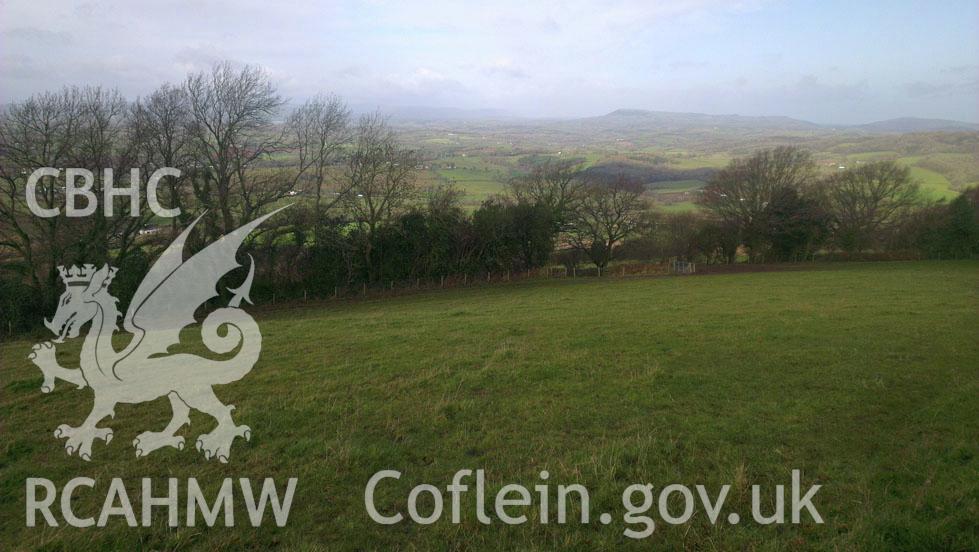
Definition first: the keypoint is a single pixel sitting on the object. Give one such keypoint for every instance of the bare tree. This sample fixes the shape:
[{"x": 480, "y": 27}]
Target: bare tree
[
  {"x": 232, "y": 130},
  {"x": 867, "y": 200},
  {"x": 317, "y": 131},
  {"x": 380, "y": 177},
  {"x": 86, "y": 128},
  {"x": 739, "y": 194},
  {"x": 161, "y": 124},
  {"x": 557, "y": 185},
  {"x": 609, "y": 212},
  {"x": 38, "y": 132},
  {"x": 107, "y": 140}
]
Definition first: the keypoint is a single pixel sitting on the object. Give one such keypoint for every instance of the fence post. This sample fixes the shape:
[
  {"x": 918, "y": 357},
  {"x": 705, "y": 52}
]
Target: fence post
[
  {"x": 365, "y": 289},
  {"x": 574, "y": 272},
  {"x": 465, "y": 279},
  {"x": 442, "y": 281},
  {"x": 304, "y": 296},
  {"x": 336, "y": 292}
]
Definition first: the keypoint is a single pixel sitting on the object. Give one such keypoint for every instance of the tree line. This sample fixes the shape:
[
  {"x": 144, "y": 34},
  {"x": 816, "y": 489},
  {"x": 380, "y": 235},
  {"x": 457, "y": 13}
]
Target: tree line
[
  {"x": 776, "y": 206},
  {"x": 360, "y": 215}
]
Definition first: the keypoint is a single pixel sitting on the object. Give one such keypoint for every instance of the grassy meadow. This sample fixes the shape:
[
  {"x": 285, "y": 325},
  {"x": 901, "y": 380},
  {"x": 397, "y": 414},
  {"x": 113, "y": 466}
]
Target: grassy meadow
[
  {"x": 483, "y": 175},
  {"x": 863, "y": 376},
  {"x": 481, "y": 162}
]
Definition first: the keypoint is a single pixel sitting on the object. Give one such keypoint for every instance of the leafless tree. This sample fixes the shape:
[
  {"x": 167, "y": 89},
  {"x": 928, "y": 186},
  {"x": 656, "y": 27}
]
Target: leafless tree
[
  {"x": 738, "y": 194},
  {"x": 87, "y": 128},
  {"x": 867, "y": 200},
  {"x": 555, "y": 184},
  {"x": 232, "y": 114},
  {"x": 380, "y": 177},
  {"x": 317, "y": 130},
  {"x": 38, "y": 132},
  {"x": 609, "y": 211},
  {"x": 161, "y": 123},
  {"x": 107, "y": 139}
]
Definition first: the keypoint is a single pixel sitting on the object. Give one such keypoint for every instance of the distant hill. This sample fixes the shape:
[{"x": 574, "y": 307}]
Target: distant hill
[
  {"x": 631, "y": 129},
  {"x": 424, "y": 114},
  {"x": 666, "y": 120},
  {"x": 637, "y": 121},
  {"x": 914, "y": 124},
  {"x": 630, "y": 123}
]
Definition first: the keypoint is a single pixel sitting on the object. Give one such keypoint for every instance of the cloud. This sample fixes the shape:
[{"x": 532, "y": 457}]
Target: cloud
[
  {"x": 810, "y": 87},
  {"x": 34, "y": 36},
  {"x": 506, "y": 68},
  {"x": 543, "y": 58},
  {"x": 199, "y": 58},
  {"x": 688, "y": 64},
  {"x": 970, "y": 69},
  {"x": 925, "y": 90}
]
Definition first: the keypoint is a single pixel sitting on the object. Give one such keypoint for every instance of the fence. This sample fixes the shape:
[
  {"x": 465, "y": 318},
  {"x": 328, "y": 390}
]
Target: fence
[
  {"x": 682, "y": 267},
  {"x": 392, "y": 288}
]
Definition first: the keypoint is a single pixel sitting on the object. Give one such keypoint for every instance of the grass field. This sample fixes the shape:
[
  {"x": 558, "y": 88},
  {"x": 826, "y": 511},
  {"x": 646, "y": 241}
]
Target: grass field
[
  {"x": 678, "y": 185},
  {"x": 863, "y": 376},
  {"x": 661, "y": 195},
  {"x": 479, "y": 176},
  {"x": 678, "y": 207},
  {"x": 933, "y": 185},
  {"x": 477, "y": 185}
]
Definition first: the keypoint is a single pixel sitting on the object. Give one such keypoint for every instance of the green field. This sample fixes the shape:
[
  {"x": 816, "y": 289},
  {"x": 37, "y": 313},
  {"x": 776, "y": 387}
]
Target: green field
[
  {"x": 664, "y": 193},
  {"x": 935, "y": 184},
  {"x": 679, "y": 207},
  {"x": 481, "y": 176},
  {"x": 679, "y": 185},
  {"x": 863, "y": 376},
  {"x": 481, "y": 160},
  {"x": 693, "y": 161},
  {"x": 477, "y": 185}
]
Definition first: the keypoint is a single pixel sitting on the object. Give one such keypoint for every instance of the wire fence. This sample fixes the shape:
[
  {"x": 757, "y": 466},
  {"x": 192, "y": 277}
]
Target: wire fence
[
  {"x": 672, "y": 267},
  {"x": 390, "y": 288},
  {"x": 285, "y": 298}
]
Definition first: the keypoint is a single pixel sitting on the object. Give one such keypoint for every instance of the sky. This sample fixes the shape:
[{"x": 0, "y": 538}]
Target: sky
[{"x": 830, "y": 61}]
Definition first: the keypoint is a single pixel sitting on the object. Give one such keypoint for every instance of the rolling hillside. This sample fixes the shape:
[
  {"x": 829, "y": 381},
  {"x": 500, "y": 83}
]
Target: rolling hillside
[{"x": 863, "y": 376}]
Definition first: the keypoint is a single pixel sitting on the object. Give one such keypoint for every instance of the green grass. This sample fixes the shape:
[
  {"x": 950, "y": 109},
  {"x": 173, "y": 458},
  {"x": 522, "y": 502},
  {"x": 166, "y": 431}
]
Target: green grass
[
  {"x": 477, "y": 185},
  {"x": 483, "y": 173},
  {"x": 871, "y": 156},
  {"x": 678, "y": 207},
  {"x": 864, "y": 376},
  {"x": 678, "y": 185},
  {"x": 692, "y": 161},
  {"x": 933, "y": 185}
]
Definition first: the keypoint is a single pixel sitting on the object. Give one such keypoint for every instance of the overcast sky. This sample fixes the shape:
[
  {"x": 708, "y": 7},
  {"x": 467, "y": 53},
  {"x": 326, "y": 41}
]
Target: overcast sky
[{"x": 827, "y": 61}]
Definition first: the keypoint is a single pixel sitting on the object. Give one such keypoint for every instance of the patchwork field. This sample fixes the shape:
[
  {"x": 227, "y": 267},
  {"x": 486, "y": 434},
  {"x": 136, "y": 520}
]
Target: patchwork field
[
  {"x": 941, "y": 176},
  {"x": 481, "y": 157},
  {"x": 863, "y": 376}
]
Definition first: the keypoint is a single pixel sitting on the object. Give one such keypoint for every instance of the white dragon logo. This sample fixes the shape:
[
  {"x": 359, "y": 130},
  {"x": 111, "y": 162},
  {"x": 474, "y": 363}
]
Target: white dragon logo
[{"x": 163, "y": 304}]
